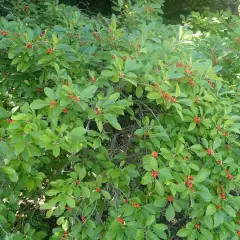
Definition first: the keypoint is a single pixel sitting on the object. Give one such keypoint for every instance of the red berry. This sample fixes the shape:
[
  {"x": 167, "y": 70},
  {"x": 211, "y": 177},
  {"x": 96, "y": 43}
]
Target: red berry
[
  {"x": 197, "y": 226},
  {"x": 170, "y": 198},
  {"x": 154, "y": 174},
  {"x": 50, "y": 51},
  {"x": 66, "y": 83},
  {"x": 65, "y": 110},
  {"x": 230, "y": 176},
  {"x": 125, "y": 201},
  {"x": 93, "y": 79},
  {"x": 119, "y": 219},
  {"x": 77, "y": 182},
  {"x": 219, "y": 162},
  {"x": 98, "y": 111},
  {"x": 228, "y": 147},
  {"x": 238, "y": 233},
  {"x": 29, "y": 45},
  {"x": 98, "y": 190},
  {"x": 196, "y": 100},
  {"x": 209, "y": 151},
  {"x": 124, "y": 58},
  {"x": 83, "y": 218},
  {"x": 197, "y": 120},
  {"x": 155, "y": 154},
  {"x": 219, "y": 207}
]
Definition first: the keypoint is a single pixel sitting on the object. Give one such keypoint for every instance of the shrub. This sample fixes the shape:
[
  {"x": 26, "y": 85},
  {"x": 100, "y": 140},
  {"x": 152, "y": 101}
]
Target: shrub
[{"x": 120, "y": 128}]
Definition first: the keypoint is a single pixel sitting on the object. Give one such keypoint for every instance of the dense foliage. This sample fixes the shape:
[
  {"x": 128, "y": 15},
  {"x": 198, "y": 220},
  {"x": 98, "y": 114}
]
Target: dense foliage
[{"x": 120, "y": 128}]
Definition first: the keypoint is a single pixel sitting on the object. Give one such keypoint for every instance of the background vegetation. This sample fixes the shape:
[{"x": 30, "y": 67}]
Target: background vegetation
[{"x": 122, "y": 125}]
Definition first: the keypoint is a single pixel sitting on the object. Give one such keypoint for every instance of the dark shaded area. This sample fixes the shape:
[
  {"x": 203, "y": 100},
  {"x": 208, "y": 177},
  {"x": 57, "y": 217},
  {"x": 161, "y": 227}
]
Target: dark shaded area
[{"x": 93, "y": 6}]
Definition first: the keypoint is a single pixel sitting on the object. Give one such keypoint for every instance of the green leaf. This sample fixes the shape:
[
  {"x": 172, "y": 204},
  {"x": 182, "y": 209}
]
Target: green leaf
[
  {"x": 178, "y": 91},
  {"x": 49, "y": 93},
  {"x": 69, "y": 200},
  {"x": 38, "y": 104},
  {"x": 184, "y": 232},
  {"x": 85, "y": 192},
  {"x": 77, "y": 133},
  {"x": 112, "y": 119},
  {"x": 230, "y": 211},
  {"x": 52, "y": 192},
  {"x": 150, "y": 220},
  {"x": 139, "y": 91},
  {"x": 159, "y": 188},
  {"x": 206, "y": 233},
  {"x": 202, "y": 175},
  {"x": 153, "y": 164},
  {"x": 19, "y": 147},
  {"x": 108, "y": 73},
  {"x": 106, "y": 194},
  {"x": 170, "y": 213},
  {"x": 55, "y": 40},
  {"x": 192, "y": 126},
  {"x": 10, "y": 172},
  {"x": 217, "y": 143},
  {"x": 88, "y": 92},
  {"x": 211, "y": 209},
  {"x": 153, "y": 95}
]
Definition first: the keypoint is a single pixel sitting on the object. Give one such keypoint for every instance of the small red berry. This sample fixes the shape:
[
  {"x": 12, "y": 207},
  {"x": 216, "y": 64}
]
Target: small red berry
[
  {"x": 124, "y": 58},
  {"x": 119, "y": 219},
  {"x": 223, "y": 196},
  {"x": 230, "y": 176},
  {"x": 154, "y": 174},
  {"x": 50, "y": 51},
  {"x": 77, "y": 182},
  {"x": 93, "y": 79},
  {"x": 98, "y": 111},
  {"x": 219, "y": 207},
  {"x": 98, "y": 190},
  {"x": 238, "y": 233},
  {"x": 197, "y": 120},
  {"x": 219, "y": 162},
  {"x": 67, "y": 83},
  {"x": 125, "y": 201},
  {"x": 209, "y": 151},
  {"x": 155, "y": 154},
  {"x": 197, "y": 226},
  {"x": 228, "y": 147},
  {"x": 65, "y": 110},
  {"x": 170, "y": 198},
  {"x": 83, "y": 218},
  {"x": 29, "y": 45},
  {"x": 196, "y": 100}
]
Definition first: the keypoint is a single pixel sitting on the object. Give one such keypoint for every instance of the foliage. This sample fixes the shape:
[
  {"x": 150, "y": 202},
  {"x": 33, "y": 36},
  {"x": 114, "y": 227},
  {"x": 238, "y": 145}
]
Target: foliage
[{"x": 120, "y": 128}]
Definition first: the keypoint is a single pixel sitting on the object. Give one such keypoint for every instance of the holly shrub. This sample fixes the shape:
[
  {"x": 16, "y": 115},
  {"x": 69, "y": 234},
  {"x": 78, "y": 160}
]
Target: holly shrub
[{"x": 118, "y": 128}]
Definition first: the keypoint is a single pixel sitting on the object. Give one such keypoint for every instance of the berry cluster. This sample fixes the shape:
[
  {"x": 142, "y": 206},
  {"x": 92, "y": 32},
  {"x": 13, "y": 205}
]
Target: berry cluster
[
  {"x": 53, "y": 104},
  {"x": 136, "y": 205},
  {"x": 189, "y": 182},
  {"x": 119, "y": 219},
  {"x": 29, "y": 45},
  {"x": 168, "y": 97},
  {"x": 4, "y": 33},
  {"x": 97, "y": 36},
  {"x": 191, "y": 82},
  {"x": 211, "y": 84}
]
